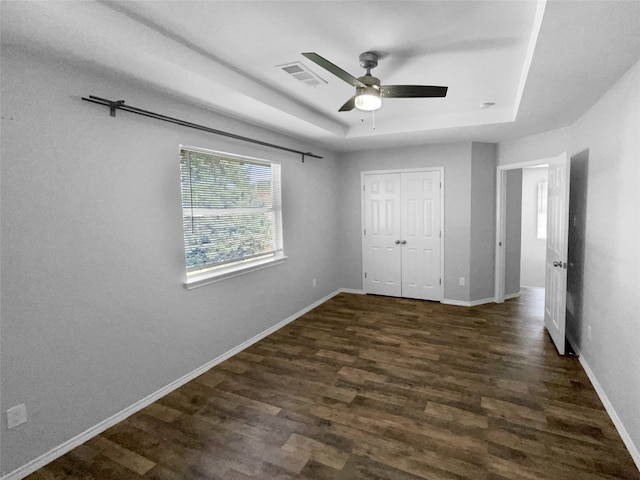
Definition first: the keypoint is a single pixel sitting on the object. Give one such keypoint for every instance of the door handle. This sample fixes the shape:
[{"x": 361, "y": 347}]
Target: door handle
[
  {"x": 557, "y": 264},
  {"x": 403, "y": 242},
  {"x": 397, "y": 242}
]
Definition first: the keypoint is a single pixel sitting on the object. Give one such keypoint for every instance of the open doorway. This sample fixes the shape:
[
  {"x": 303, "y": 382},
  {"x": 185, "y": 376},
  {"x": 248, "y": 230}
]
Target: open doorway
[
  {"x": 525, "y": 235},
  {"x": 514, "y": 265},
  {"x": 521, "y": 194}
]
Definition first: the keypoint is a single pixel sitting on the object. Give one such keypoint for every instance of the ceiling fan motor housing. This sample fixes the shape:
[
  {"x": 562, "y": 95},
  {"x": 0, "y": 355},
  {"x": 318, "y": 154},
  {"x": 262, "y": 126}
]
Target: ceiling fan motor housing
[
  {"x": 368, "y": 60},
  {"x": 370, "y": 81}
]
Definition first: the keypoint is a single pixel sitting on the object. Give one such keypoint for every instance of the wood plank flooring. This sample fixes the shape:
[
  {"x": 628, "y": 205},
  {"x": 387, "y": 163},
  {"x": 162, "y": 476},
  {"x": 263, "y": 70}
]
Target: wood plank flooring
[{"x": 375, "y": 388}]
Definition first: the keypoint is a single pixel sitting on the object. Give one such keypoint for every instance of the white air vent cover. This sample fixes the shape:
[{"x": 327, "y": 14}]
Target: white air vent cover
[{"x": 301, "y": 73}]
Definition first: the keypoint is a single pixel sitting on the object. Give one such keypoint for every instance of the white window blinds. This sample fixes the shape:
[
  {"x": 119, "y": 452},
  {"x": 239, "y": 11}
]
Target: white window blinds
[{"x": 231, "y": 211}]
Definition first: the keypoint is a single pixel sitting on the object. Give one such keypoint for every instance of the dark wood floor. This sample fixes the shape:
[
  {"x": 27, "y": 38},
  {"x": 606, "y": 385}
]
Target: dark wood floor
[{"x": 375, "y": 388}]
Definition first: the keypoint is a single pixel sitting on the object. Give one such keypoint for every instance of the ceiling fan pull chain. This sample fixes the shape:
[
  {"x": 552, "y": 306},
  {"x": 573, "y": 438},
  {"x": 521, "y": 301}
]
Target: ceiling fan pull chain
[{"x": 373, "y": 119}]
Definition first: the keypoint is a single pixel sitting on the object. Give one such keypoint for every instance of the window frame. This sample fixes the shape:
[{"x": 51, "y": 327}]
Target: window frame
[
  {"x": 542, "y": 210},
  {"x": 196, "y": 277}
]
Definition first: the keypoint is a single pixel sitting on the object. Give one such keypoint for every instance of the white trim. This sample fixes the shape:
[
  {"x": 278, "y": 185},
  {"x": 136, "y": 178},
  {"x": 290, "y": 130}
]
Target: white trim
[
  {"x": 626, "y": 438},
  {"x": 56, "y": 452},
  {"x": 231, "y": 272},
  {"x": 529, "y": 163},
  {"x": 498, "y": 290},
  {"x": 363, "y": 222},
  {"x": 220, "y": 154},
  {"x": 351, "y": 290},
  {"x": 401, "y": 170},
  {"x": 509, "y": 296},
  {"x": 467, "y": 303},
  {"x": 501, "y": 178},
  {"x": 443, "y": 231}
]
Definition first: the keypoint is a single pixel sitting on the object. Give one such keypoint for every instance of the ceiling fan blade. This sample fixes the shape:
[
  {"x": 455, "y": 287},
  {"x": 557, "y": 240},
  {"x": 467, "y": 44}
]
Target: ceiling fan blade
[
  {"x": 349, "y": 105},
  {"x": 412, "y": 91},
  {"x": 337, "y": 71}
]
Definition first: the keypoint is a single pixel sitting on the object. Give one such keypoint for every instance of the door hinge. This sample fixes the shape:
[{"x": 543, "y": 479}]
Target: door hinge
[
  {"x": 440, "y": 185},
  {"x": 365, "y": 232},
  {"x": 440, "y": 281},
  {"x": 441, "y": 234},
  {"x": 364, "y": 188},
  {"x": 365, "y": 274}
]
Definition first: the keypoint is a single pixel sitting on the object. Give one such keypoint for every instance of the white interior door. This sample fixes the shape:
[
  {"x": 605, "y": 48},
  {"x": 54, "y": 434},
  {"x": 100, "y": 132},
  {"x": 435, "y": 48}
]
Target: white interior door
[
  {"x": 421, "y": 235},
  {"x": 557, "y": 245},
  {"x": 382, "y": 235}
]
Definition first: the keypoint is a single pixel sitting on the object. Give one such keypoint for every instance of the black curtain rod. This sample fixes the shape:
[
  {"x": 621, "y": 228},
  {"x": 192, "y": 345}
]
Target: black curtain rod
[{"x": 119, "y": 105}]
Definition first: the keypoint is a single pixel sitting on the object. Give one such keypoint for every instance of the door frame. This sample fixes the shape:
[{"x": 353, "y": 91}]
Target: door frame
[
  {"x": 501, "y": 191},
  {"x": 442, "y": 222}
]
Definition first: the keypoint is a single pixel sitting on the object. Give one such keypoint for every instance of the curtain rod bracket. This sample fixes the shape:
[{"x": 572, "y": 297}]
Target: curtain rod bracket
[
  {"x": 113, "y": 106},
  {"x": 119, "y": 104}
]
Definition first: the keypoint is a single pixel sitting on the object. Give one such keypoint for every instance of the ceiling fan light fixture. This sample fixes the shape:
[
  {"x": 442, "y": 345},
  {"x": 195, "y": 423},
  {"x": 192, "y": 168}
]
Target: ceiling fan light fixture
[
  {"x": 369, "y": 92},
  {"x": 368, "y": 99}
]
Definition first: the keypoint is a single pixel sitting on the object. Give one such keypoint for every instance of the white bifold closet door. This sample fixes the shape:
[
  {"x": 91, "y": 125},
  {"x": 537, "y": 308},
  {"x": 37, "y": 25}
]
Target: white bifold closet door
[{"x": 402, "y": 234}]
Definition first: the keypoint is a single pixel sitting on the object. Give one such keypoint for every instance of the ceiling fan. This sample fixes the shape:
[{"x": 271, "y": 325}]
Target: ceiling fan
[{"x": 369, "y": 92}]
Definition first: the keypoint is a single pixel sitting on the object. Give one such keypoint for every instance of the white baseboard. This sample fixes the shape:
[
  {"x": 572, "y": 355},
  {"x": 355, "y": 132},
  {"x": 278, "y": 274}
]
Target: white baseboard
[
  {"x": 72, "y": 443},
  {"x": 351, "y": 290},
  {"x": 633, "y": 449},
  {"x": 465, "y": 303},
  {"x": 509, "y": 296}
]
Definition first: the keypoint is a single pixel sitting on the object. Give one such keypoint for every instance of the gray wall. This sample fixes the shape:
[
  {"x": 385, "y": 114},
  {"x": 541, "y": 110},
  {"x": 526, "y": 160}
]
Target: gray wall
[
  {"x": 534, "y": 249},
  {"x": 469, "y": 211},
  {"x": 513, "y": 239},
  {"x": 456, "y": 160},
  {"x": 534, "y": 147},
  {"x": 610, "y": 131},
  {"x": 483, "y": 221},
  {"x": 94, "y": 314}
]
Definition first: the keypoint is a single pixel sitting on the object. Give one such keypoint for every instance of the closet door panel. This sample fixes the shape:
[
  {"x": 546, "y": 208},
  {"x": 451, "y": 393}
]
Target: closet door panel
[
  {"x": 382, "y": 224},
  {"x": 421, "y": 265}
]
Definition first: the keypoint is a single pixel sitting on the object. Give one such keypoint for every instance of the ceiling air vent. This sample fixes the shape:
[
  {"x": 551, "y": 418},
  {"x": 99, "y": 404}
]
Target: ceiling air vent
[{"x": 301, "y": 73}]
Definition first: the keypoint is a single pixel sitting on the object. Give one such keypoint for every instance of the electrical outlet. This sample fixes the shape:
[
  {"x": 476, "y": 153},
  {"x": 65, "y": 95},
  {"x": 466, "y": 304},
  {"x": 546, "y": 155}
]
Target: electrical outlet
[
  {"x": 16, "y": 416},
  {"x": 461, "y": 280},
  {"x": 314, "y": 283}
]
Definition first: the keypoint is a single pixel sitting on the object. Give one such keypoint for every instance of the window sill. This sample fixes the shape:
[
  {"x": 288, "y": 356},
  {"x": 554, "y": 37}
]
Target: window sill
[{"x": 223, "y": 274}]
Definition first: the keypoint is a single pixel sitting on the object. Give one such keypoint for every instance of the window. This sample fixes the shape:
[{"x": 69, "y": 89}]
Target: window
[
  {"x": 231, "y": 214},
  {"x": 543, "y": 188}
]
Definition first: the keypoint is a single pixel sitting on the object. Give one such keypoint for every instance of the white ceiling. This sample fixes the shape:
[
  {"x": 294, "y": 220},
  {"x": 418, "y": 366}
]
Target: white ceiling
[{"x": 542, "y": 64}]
